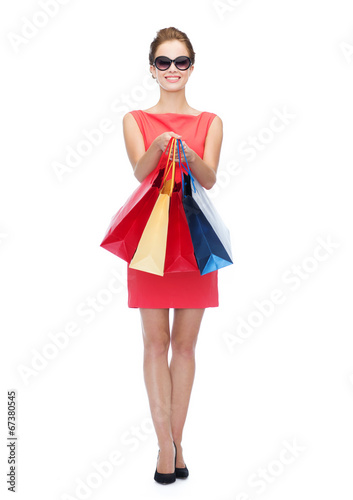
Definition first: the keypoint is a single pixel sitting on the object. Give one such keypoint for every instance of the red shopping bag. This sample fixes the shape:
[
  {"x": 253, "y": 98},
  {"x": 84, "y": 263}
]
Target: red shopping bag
[
  {"x": 180, "y": 255},
  {"x": 127, "y": 225}
]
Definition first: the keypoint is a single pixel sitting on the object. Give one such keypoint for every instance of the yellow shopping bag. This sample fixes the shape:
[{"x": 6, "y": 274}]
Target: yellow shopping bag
[{"x": 150, "y": 252}]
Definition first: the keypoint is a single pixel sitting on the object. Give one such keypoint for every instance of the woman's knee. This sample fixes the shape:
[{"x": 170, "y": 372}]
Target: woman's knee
[
  {"x": 185, "y": 331},
  {"x": 155, "y": 331},
  {"x": 156, "y": 344},
  {"x": 183, "y": 346}
]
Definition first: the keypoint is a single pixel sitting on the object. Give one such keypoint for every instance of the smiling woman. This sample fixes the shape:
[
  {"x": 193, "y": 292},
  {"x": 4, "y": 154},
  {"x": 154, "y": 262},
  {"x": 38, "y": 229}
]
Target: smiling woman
[
  {"x": 172, "y": 69},
  {"x": 147, "y": 134}
]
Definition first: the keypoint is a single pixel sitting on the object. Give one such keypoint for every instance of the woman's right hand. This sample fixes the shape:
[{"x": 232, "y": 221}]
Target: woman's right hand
[{"x": 163, "y": 139}]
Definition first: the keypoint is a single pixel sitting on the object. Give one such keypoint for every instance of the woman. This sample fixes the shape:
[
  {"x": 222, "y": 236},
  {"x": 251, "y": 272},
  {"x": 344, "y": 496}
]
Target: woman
[{"x": 146, "y": 134}]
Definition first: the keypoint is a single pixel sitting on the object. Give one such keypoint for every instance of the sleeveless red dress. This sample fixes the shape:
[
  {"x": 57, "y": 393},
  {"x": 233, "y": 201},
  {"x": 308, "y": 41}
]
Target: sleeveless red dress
[{"x": 177, "y": 289}]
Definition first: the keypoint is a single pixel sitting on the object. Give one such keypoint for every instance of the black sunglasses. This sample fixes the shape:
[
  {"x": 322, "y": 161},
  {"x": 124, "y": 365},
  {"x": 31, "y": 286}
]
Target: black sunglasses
[{"x": 163, "y": 63}]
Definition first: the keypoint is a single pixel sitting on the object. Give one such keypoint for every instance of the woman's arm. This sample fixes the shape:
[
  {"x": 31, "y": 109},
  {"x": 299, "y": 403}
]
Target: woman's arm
[
  {"x": 143, "y": 162},
  {"x": 205, "y": 170}
]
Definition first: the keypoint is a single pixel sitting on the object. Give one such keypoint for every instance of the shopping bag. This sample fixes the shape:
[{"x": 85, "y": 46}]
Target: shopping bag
[
  {"x": 151, "y": 250},
  {"x": 180, "y": 255},
  {"x": 208, "y": 209},
  {"x": 126, "y": 226},
  {"x": 211, "y": 247}
]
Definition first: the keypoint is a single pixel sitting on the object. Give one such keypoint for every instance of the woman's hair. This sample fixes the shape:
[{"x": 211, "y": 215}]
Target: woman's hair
[{"x": 166, "y": 34}]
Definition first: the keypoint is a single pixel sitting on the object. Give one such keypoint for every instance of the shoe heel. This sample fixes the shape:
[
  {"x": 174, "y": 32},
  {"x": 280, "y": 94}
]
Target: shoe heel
[
  {"x": 168, "y": 478},
  {"x": 180, "y": 472}
]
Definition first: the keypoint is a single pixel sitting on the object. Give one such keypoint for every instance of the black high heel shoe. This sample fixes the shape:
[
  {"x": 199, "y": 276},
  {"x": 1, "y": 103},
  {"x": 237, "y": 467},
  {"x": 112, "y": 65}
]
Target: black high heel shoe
[
  {"x": 166, "y": 478},
  {"x": 181, "y": 472}
]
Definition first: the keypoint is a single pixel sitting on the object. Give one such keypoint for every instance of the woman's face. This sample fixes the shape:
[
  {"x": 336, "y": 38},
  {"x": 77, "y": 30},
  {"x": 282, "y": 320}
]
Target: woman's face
[{"x": 172, "y": 79}]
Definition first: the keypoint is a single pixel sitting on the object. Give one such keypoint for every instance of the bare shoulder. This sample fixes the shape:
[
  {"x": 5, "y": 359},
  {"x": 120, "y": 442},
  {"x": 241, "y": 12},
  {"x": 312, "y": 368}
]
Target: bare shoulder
[
  {"x": 128, "y": 118},
  {"x": 217, "y": 122},
  {"x": 216, "y": 128},
  {"x": 213, "y": 143},
  {"x": 133, "y": 137},
  {"x": 130, "y": 124},
  {"x": 131, "y": 127}
]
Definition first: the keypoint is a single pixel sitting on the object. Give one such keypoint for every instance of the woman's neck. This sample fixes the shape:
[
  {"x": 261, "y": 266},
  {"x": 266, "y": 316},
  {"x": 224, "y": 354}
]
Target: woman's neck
[{"x": 172, "y": 102}]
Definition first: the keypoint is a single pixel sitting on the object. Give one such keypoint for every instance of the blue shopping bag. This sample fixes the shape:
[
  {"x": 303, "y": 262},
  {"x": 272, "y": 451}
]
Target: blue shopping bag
[{"x": 210, "y": 252}]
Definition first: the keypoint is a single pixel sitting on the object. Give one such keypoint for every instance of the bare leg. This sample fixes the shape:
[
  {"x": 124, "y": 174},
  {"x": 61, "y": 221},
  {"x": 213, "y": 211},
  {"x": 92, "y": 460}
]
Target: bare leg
[
  {"x": 156, "y": 337},
  {"x": 186, "y": 326}
]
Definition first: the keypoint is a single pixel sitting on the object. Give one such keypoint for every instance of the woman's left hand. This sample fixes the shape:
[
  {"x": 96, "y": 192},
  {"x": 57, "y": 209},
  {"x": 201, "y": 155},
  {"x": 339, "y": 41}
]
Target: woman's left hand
[{"x": 189, "y": 153}]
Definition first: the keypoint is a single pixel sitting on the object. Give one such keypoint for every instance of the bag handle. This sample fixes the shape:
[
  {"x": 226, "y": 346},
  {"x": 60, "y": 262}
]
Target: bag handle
[
  {"x": 188, "y": 168},
  {"x": 161, "y": 159},
  {"x": 169, "y": 166}
]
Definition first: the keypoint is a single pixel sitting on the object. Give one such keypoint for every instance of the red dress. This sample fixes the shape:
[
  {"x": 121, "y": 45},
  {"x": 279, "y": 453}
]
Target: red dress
[{"x": 176, "y": 289}]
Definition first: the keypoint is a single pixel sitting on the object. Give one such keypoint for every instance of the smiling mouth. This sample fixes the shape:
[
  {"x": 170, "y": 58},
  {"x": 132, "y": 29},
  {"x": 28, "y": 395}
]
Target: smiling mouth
[{"x": 173, "y": 78}]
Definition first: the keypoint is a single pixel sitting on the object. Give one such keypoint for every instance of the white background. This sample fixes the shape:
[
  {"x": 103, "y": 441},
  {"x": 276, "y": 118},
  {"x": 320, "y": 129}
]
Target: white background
[{"x": 289, "y": 381}]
